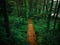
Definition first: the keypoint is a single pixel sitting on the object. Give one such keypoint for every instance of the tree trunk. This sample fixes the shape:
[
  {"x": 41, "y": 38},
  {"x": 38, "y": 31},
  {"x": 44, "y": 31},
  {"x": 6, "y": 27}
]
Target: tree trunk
[
  {"x": 59, "y": 19},
  {"x": 6, "y": 21},
  {"x": 49, "y": 16},
  {"x": 18, "y": 7},
  {"x": 59, "y": 25},
  {"x": 56, "y": 16}
]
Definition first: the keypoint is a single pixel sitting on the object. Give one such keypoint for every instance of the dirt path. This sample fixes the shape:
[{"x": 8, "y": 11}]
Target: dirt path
[{"x": 31, "y": 37}]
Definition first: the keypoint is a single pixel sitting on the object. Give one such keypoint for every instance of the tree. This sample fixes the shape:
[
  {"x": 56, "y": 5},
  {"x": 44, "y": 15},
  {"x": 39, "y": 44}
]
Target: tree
[
  {"x": 55, "y": 21},
  {"x": 49, "y": 16},
  {"x": 18, "y": 7},
  {"x": 6, "y": 21}
]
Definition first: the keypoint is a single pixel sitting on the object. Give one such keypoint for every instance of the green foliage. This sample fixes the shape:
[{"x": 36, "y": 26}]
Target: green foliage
[{"x": 19, "y": 25}]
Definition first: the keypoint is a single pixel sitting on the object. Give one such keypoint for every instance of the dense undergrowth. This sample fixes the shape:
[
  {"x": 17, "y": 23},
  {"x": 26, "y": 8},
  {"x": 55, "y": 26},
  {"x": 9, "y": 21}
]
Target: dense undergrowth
[{"x": 18, "y": 29}]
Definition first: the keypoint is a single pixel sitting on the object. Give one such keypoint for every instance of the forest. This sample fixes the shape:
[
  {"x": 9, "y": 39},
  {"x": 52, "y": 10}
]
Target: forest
[{"x": 29, "y": 22}]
